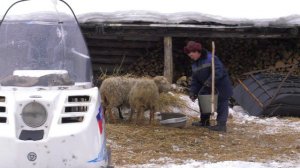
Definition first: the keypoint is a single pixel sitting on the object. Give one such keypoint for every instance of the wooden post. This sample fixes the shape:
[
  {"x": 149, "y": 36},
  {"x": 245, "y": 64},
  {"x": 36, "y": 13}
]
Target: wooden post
[{"x": 168, "y": 58}]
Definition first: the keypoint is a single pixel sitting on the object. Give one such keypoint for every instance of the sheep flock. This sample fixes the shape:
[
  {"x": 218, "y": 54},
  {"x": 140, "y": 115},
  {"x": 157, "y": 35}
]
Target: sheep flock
[{"x": 139, "y": 94}]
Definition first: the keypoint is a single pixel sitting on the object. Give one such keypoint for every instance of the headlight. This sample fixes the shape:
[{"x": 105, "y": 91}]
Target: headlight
[{"x": 34, "y": 114}]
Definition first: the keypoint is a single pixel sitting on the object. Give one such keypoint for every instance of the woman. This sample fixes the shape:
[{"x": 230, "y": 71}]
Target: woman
[{"x": 201, "y": 77}]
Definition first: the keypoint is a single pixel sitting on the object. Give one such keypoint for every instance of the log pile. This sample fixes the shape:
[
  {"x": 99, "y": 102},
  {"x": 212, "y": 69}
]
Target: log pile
[
  {"x": 238, "y": 55},
  {"x": 244, "y": 55},
  {"x": 151, "y": 64}
]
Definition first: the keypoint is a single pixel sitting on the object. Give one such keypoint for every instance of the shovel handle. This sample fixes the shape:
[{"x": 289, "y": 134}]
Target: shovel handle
[{"x": 213, "y": 77}]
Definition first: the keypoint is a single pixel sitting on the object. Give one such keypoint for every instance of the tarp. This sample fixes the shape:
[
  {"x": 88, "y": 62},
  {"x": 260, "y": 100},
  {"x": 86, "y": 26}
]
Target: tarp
[{"x": 259, "y": 95}]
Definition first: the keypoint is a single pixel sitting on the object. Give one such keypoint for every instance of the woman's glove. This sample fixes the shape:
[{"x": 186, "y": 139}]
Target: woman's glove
[
  {"x": 207, "y": 83},
  {"x": 193, "y": 97}
]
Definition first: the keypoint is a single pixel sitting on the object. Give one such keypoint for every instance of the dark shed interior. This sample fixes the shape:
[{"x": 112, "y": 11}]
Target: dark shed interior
[{"x": 139, "y": 48}]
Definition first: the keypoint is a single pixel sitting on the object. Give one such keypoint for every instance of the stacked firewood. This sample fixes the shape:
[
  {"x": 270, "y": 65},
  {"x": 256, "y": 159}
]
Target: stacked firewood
[
  {"x": 238, "y": 55},
  {"x": 151, "y": 64},
  {"x": 244, "y": 55}
]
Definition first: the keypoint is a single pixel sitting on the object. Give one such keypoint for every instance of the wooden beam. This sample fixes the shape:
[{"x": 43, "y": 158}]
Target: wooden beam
[
  {"x": 202, "y": 33},
  {"x": 94, "y": 51},
  {"x": 121, "y": 44},
  {"x": 168, "y": 68},
  {"x": 205, "y": 31},
  {"x": 111, "y": 59},
  {"x": 134, "y": 37}
]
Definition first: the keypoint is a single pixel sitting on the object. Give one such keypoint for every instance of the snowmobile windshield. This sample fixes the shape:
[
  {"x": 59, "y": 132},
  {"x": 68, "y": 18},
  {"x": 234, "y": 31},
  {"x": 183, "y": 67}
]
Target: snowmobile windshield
[{"x": 41, "y": 38}]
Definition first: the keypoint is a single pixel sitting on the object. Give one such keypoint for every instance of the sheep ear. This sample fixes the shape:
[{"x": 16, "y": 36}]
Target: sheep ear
[
  {"x": 158, "y": 78},
  {"x": 155, "y": 79}
]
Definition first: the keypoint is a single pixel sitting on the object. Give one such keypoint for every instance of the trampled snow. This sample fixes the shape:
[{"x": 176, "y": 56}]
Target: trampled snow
[
  {"x": 224, "y": 164},
  {"x": 241, "y": 116},
  {"x": 272, "y": 125}
]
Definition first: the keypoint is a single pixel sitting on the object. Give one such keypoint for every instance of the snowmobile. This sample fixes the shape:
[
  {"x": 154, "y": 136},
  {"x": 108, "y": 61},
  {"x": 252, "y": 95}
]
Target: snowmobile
[{"x": 50, "y": 112}]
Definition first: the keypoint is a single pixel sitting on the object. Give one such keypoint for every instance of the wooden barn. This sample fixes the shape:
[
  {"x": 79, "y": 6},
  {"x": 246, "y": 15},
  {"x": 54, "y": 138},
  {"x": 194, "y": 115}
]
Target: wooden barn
[{"x": 152, "y": 43}]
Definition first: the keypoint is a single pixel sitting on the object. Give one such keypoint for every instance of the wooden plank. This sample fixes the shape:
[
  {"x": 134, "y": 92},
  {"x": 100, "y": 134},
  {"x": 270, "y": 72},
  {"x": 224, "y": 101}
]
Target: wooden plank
[
  {"x": 136, "y": 37},
  {"x": 97, "y": 51},
  {"x": 121, "y": 44},
  {"x": 215, "y": 32},
  {"x": 113, "y": 59},
  {"x": 168, "y": 58},
  {"x": 250, "y": 93}
]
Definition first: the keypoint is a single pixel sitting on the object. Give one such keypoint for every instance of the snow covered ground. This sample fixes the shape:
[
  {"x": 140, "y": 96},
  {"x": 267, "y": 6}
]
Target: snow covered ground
[
  {"x": 225, "y": 164},
  {"x": 272, "y": 126}
]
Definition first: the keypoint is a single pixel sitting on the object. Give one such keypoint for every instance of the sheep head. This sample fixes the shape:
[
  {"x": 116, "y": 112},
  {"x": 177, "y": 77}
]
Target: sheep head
[{"x": 162, "y": 83}]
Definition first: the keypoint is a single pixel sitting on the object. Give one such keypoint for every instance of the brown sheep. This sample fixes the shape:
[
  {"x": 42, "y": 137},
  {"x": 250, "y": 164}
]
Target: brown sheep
[
  {"x": 114, "y": 93},
  {"x": 145, "y": 95}
]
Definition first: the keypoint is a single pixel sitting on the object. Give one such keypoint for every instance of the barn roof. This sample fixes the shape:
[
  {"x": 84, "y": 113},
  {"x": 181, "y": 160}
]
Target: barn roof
[
  {"x": 255, "y": 13},
  {"x": 184, "y": 18},
  {"x": 231, "y": 18}
]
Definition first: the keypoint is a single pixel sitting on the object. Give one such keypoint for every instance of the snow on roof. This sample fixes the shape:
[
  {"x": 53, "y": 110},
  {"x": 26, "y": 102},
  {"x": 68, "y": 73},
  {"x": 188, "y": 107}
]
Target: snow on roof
[
  {"x": 252, "y": 12},
  {"x": 237, "y": 12},
  {"x": 183, "y": 17}
]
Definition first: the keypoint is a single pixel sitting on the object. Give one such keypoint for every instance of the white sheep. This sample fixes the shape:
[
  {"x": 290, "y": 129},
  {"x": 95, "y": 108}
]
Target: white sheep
[
  {"x": 145, "y": 95},
  {"x": 114, "y": 93}
]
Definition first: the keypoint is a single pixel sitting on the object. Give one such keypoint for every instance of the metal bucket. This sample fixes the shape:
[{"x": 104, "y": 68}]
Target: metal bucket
[{"x": 204, "y": 101}]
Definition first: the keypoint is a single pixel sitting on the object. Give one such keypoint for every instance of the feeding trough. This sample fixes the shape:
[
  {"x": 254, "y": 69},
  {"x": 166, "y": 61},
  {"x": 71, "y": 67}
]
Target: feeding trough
[{"x": 177, "y": 120}]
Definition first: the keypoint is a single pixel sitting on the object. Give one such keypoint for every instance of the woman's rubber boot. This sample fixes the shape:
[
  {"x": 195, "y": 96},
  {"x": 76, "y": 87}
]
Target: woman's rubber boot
[
  {"x": 201, "y": 124},
  {"x": 220, "y": 127},
  {"x": 204, "y": 121}
]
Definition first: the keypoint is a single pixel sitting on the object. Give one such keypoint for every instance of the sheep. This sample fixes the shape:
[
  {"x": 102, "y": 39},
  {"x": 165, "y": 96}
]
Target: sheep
[
  {"x": 114, "y": 93},
  {"x": 145, "y": 95},
  {"x": 163, "y": 84}
]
